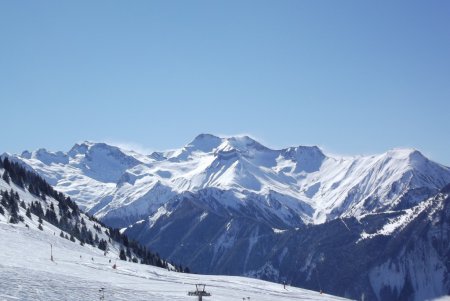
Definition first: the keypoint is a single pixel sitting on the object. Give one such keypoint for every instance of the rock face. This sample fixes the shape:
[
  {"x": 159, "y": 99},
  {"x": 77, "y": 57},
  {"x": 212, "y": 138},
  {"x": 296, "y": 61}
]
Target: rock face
[{"x": 234, "y": 206}]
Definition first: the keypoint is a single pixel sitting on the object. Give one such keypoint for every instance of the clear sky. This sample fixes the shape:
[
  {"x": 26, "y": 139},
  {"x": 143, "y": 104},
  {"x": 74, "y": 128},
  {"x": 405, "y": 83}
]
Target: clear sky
[{"x": 354, "y": 77}]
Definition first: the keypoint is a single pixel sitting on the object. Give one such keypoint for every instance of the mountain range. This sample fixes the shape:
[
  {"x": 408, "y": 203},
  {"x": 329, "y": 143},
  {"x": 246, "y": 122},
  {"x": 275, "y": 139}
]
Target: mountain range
[
  {"x": 231, "y": 205},
  {"x": 50, "y": 250}
]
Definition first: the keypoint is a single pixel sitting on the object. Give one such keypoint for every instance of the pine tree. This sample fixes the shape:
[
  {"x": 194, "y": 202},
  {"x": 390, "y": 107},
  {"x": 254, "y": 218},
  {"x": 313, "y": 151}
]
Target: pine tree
[
  {"x": 13, "y": 208},
  {"x": 125, "y": 241},
  {"x": 63, "y": 208},
  {"x": 61, "y": 234},
  {"x": 103, "y": 245},
  {"x": 50, "y": 216},
  {"x": 28, "y": 213},
  {"x": 40, "y": 227},
  {"x": 6, "y": 164},
  {"x": 36, "y": 208},
  {"x": 3, "y": 198},
  {"x": 5, "y": 177},
  {"x": 122, "y": 255}
]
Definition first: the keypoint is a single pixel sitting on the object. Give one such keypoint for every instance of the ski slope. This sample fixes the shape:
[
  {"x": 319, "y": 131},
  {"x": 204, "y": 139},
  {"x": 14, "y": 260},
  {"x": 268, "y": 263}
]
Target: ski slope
[{"x": 78, "y": 272}]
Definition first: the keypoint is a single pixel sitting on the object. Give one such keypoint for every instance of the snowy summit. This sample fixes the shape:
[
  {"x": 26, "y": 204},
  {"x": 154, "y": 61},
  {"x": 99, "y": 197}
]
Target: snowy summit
[{"x": 118, "y": 184}]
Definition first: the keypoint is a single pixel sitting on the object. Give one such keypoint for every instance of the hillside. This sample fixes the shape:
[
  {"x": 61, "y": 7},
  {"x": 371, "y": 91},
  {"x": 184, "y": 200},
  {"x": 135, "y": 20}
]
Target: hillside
[
  {"x": 78, "y": 272},
  {"x": 26, "y": 199}
]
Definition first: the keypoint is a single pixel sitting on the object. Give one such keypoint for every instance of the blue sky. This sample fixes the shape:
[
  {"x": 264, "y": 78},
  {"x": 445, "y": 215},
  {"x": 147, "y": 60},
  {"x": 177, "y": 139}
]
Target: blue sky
[{"x": 354, "y": 77}]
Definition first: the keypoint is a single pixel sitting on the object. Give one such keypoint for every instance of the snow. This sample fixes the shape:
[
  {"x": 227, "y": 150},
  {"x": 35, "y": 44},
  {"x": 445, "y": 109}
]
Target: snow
[
  {"x": 266, "y": 270},
  {"x": 161, "y": 212},
  {"x": 278, "y": 231},
  {"x": 120, "y": 184},
  {"x": 78, "y": 272},
  {"x": 228, "y": 225},
  {"x": 404, "y": 218},
  {"x": 203, "y": 216},
  {"x": 427, "y": 277}
]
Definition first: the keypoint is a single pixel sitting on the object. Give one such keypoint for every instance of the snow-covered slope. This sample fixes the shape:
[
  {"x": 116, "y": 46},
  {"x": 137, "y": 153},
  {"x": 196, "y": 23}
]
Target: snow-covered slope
[
  {"x": 79, "y": 272},
  {"x": 26, "y": 199},
  {"x": 37, "y": 263},
  {"x": 123, "y": 187},
  {"x": 26, "y": 275}
]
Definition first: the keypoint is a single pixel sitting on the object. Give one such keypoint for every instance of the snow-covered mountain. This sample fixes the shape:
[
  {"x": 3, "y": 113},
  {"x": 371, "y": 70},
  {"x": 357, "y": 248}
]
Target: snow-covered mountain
[
  {"x": 27, "y": 200},
  {"x": 394, "y": 255},
  {"x": 38, "y": 260},
  {"x": 297, "y": 184},
  {"x": 233, "y": 206}
]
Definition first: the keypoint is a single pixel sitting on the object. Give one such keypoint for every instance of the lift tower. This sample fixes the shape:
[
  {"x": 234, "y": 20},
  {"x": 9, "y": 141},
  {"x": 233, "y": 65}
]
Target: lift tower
[{"x": 200, "y": 292}]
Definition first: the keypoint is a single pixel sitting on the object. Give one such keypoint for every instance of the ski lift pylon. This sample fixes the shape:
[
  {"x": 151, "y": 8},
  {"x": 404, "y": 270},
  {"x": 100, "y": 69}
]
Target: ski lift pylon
[{"x": 200, "y": 292}]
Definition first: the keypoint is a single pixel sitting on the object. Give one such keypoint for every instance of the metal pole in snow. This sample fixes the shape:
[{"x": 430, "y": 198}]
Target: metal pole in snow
[{"x": 51, "y": 252}]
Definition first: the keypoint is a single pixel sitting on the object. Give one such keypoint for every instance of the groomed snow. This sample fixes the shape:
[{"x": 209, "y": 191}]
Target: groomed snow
[{"x": 78, "y": 272}]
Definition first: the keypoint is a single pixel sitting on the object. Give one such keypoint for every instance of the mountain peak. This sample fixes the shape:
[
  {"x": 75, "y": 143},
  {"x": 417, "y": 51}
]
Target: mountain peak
[
  {"x": 242, "y": 143},
  {"x": 89, "y": 146},
  {"x": 42, "y": 151},
  {"x": 411, "y": 155},
  {"x": 208, "y": 142},
  {"x": 205, "y": 142},
  {"x": 302, "y": 151},
  {"x": 26, "y": 154},
  {"x": 405, "y": 152},
  {"x": 206, "y": 136},
  {"x": 307, "y": 158},
  {"x": 46, "y": 156},
  {"x": 80, "y": 148}
]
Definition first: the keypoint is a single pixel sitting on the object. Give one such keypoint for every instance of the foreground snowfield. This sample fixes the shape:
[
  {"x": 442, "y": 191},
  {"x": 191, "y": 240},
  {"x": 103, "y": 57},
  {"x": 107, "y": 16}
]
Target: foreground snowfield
[{"x": 78, "y": 272}]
